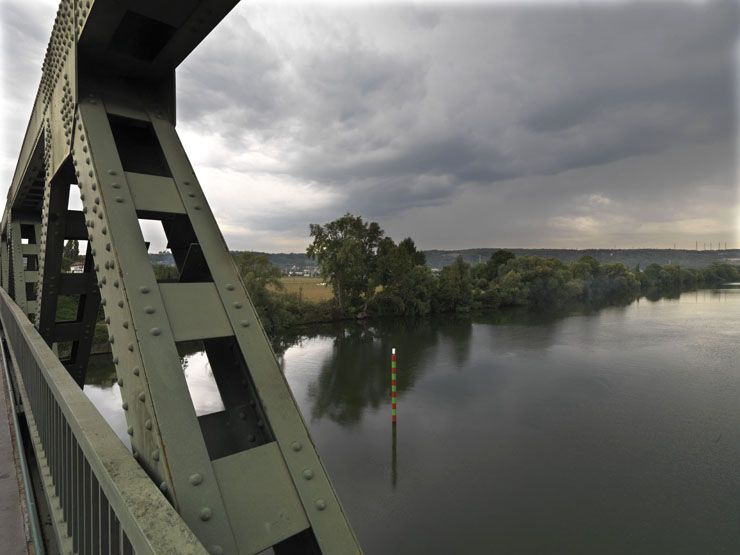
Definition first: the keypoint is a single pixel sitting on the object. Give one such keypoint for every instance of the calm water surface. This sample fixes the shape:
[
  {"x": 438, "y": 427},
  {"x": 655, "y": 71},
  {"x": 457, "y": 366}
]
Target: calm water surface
[{"x": 612, "y": 432}]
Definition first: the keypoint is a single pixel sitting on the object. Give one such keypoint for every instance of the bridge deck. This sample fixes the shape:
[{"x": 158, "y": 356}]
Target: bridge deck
[{"x": 12, "y": 518}]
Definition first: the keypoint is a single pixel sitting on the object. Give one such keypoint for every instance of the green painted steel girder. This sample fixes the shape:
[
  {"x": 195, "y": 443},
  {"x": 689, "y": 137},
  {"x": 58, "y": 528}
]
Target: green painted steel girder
[{"x": 246, "y": 478}]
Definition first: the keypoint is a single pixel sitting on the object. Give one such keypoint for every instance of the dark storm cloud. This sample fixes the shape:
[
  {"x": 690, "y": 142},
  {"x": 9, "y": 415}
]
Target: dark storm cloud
[
  {"x": 477, "y": 95},
  {"x": 546, "y": 115}
]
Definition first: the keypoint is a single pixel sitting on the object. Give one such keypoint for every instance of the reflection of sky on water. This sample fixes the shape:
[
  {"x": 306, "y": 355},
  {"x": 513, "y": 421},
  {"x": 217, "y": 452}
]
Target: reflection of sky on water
[
  {"x": 107, "y": 399},
  {"x": 302, "y": 360},
  {"x": 106, "y": 396},
  {"x": 202, "y": 385}
]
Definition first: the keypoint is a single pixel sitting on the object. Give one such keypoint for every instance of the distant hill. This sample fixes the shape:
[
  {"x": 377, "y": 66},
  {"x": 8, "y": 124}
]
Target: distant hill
[
  {"x": 439, "y": 258},
  {"x": 628, "y": 257},
  {"x": 279, "y": 259}
]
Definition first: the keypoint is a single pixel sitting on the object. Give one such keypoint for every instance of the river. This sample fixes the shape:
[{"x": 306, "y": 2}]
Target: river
[{"x": 615, "y": 431}]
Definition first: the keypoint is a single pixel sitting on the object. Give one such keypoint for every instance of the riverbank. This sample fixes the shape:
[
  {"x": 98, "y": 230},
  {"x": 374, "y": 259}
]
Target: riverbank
[
  {"x": 528, "y": 283},
  {"x": 501, "y": 283}
]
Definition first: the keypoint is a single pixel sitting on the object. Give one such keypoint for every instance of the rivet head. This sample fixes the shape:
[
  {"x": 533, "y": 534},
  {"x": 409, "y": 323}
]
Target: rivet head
[
  {"x": 230, "y": 286},
  {"x": 237, "y": 304},
  {"x": 148, "y": 424},
  {"x": 163, "y": 486},
  {"x": 155, "y": 454},
  {"x": 308, "y": 474},
  {"x": 125, "y": 405},
  {"x": 142, "y": 397},
  {"x": 216, "y": 550},
  {"x": 149, "y": 309},
  {"x": 195, "y": 479},
  {"x": 130, "y": 430},
  {"x": 296, "y": 446},
  {"x": 144, "y": 289},
  {"x": 136, "y": 370},
  {"x": 320, "y": 504},
  {"x": 244, "y": 324},
  {"x": 120, "y": 382},
  {"x": 119, "y": 199},
  {"x": 111, "y": 172},
  {"x": 155, "y": 331},
  {"x": 206, "y": 513}
]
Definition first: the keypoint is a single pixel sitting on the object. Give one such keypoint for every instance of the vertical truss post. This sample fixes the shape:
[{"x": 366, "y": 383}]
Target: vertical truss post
[
  {"x": 23, "y": 269},
  {"x": 59, "y": 225}
]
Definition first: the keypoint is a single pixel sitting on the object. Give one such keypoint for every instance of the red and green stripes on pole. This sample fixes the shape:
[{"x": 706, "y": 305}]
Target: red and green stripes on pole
[{"x": 393, "y": 386}]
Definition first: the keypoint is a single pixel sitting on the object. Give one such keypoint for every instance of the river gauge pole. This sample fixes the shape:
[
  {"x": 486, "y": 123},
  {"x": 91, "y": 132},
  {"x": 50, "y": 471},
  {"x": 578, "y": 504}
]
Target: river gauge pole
[{"x": 393, "y": 386}]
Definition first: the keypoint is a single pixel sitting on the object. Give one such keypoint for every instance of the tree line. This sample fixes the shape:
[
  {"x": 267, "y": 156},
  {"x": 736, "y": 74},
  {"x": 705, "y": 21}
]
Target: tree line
[{"x": 371, "y": 275}]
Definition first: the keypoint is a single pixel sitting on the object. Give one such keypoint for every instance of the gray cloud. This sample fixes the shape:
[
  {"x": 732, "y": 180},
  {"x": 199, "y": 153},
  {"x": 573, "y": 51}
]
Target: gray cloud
[{"x": 407, "y": 114}]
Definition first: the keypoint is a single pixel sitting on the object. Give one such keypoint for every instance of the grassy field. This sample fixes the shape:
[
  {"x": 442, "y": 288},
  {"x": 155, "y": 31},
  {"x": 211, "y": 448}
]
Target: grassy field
[{"x": 310, "y": 288}]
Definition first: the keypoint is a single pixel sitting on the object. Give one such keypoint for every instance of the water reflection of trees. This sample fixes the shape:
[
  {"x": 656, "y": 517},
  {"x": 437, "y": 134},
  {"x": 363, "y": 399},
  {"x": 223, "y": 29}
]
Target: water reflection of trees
[
  {"x": 356, "y": 375},
  {"x": 101, "y": 371}
]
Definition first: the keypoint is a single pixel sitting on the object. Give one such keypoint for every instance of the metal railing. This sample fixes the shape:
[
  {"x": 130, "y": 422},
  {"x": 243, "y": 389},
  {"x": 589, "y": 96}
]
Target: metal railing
[{"x": 101, "y": 500}]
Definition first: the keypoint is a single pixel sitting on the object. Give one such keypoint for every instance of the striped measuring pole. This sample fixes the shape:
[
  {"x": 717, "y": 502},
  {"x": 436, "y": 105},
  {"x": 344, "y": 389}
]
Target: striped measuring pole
[{"x": 393, "y": 385}]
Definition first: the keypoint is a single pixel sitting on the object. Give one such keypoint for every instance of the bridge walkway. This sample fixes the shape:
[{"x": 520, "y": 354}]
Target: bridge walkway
[{"x": 13, "y": 522}]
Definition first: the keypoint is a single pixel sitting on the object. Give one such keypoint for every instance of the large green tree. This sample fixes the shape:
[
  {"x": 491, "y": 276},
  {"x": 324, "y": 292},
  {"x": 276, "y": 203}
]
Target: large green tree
[
  {"x": 346, "y": 250},
  {"x": 403, "y": 283}
]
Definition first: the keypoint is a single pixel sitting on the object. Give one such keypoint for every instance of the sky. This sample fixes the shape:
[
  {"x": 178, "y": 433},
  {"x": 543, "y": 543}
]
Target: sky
[{"x": 498, "y": 124}]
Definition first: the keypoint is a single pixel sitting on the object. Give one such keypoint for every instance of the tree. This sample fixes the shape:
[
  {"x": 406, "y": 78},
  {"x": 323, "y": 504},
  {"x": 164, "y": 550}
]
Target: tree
[
  {"x": 395, "y": 262},
  {"x": 454, "y": 290},
  {"x": 262, "y": 279},
  {"x": 71, "y": 249},
  {"x": 258, "y": 273},
  {"x": 346, "y": 250},
  {"x": 70, "y": 254},
  {"x": 407, "y": 284},
  {"x": 408, "y": 248},
  {"x": 497, "y": 260}
]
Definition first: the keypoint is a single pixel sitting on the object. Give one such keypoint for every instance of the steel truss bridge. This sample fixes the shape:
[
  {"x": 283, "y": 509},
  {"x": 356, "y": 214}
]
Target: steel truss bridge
[{"x": 242, "y": 480}]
